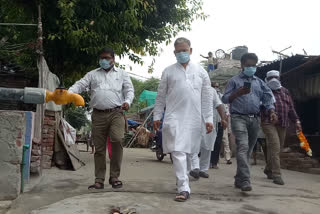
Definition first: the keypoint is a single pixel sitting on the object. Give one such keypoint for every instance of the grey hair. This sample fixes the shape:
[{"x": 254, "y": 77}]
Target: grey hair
[{"x": 182, "y": 40}]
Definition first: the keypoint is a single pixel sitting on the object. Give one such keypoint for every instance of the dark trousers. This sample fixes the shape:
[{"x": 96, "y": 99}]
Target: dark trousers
[{"x": 217, "y": 146}]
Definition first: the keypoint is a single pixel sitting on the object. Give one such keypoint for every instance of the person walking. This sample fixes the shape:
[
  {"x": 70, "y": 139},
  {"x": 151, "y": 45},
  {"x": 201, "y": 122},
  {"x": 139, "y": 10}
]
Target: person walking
[
  {"x": 184, "y": 91},
  {"x": 245, "y": 92},
  {"x": 200, "y": 166},
  {"x": 276, "y": 133},
  {"x": 215, "y": 154},
  {"x": 225, "y": 139},
  {"x": 111, "y": 93}
]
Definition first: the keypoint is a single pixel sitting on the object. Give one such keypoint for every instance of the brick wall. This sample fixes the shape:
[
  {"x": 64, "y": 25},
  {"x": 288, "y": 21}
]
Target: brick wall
[{"x": 48, "y": 137}]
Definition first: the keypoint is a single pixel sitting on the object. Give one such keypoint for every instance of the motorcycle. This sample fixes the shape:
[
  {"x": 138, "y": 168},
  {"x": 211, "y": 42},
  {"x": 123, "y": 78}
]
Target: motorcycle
[{"x": 157, "y": 146}]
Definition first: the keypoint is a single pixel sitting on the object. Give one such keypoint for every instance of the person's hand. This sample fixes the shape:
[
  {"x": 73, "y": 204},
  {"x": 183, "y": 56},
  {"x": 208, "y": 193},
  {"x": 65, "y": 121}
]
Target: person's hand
[
  {"x": 125, "y": 106},
  {"x": 224, "y": 124},
  {"x": 273, "y": 117},
  {"x": 156, "y": 125},
  {"x": 209, "y": 127},
  {"x": 298, "y": 126},
  {"x": 243, "y": 91}
]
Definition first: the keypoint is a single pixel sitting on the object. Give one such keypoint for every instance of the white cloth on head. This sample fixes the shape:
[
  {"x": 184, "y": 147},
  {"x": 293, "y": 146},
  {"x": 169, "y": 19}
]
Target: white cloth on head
[
  {"x": 186, "y": 95},
  {"x": 273, "y": 73},
  {"x": 108, "y": 89},
  {"x": 205, "y": 159},
  {"x": 179, "y": 160}
]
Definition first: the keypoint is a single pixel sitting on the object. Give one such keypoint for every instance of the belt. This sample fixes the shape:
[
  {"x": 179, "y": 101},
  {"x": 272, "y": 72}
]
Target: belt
[
  {"x": 108, "y": 110},
  {"x": 248, "y": 115}
]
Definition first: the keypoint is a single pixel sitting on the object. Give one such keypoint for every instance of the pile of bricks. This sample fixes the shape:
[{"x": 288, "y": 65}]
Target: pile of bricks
[
  {"x": 299, "y": 162},
  {"x": 35, "y": 156},
  {"x": 48, "y": 135}
]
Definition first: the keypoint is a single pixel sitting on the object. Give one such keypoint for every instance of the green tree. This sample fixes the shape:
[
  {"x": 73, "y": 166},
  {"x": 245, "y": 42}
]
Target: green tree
[
  {"x": 74, "y": 30},
  {"x": 76, "y": 116}
]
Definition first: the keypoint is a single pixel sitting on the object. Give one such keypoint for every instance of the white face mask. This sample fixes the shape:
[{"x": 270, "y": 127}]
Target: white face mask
[{"x": 274, "y": 84}]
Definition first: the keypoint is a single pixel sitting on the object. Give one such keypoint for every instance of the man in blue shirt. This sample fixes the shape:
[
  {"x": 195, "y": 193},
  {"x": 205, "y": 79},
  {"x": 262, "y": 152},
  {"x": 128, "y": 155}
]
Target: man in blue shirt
[{"x": 246, "y": 93}]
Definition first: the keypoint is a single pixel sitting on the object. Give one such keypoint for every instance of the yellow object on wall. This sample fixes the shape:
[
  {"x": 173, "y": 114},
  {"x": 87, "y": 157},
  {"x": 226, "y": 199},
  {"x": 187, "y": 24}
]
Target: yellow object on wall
[{"x": 61, "y": 96}]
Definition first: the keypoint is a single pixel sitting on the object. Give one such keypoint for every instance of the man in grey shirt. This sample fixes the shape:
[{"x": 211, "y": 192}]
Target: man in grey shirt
[{"x": 245, "y": 93}]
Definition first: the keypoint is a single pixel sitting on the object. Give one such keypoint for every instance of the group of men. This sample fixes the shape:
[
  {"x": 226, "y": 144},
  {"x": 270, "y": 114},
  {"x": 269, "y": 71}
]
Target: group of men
[{"x": 196, "y": 114}]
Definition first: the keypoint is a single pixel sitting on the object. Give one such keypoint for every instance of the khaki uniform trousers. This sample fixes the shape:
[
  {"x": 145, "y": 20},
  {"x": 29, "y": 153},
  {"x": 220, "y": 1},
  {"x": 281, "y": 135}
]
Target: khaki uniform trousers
[{"x": 106, "y": 124}]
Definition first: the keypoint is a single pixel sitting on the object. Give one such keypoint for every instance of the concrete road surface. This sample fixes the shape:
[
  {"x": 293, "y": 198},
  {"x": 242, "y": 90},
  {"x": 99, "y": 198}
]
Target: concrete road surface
[{"x": 149, "y": 187}]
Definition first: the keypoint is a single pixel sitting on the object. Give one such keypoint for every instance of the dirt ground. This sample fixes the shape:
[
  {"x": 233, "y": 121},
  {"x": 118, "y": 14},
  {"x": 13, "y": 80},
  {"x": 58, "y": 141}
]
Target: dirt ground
[{"x": 149, "y": 187}]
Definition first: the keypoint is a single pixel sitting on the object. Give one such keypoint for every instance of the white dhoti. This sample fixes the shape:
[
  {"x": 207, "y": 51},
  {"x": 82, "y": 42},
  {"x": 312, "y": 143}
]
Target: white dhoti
[{"x": 179, "y": 160}]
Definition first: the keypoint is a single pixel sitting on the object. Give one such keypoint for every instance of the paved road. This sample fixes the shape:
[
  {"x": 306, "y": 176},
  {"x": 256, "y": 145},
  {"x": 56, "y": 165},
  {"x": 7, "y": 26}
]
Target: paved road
[{"x": 149, "y": 187}]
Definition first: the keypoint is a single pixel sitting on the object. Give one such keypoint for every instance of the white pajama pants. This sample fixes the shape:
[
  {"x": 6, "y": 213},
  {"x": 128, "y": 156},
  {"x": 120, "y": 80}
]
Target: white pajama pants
[
  {"x": 225, "y": 141},
  {"x": 179, "y": 160},
  {"x": 202, "y": 163}
]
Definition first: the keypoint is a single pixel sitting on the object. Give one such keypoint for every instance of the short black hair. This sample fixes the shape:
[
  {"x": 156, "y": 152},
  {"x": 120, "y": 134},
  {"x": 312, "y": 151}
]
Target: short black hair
[
  {"x": 108, "y": 51},
  {"x": 248, "y": 56}
]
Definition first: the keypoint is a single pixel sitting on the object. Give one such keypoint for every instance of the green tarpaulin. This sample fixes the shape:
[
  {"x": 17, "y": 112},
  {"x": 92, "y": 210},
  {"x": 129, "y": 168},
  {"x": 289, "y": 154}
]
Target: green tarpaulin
[{"x": 148, "y": 96}]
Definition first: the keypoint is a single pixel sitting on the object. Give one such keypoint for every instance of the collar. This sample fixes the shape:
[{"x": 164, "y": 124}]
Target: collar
[
  {"x": 113, "y": 69},
  {"x": 243, "y": 76}
]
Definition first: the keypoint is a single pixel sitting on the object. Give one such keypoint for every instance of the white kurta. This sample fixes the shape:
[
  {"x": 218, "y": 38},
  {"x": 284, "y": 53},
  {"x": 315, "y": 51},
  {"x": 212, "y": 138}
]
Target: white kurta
[
  {"x": 185, "y": 93},
  {"x": 208, "y": 140}
]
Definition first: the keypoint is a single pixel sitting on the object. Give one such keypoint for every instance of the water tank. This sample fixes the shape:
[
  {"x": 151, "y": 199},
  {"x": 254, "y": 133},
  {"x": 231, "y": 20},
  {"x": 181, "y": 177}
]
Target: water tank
[{"x": 237, "y": 52}]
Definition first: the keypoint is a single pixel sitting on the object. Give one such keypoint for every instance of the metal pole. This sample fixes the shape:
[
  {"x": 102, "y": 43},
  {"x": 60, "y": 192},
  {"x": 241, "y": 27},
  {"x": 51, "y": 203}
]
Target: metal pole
[
  {"x": 280, "y": 69},
  {"x": 41, "y": 77}
]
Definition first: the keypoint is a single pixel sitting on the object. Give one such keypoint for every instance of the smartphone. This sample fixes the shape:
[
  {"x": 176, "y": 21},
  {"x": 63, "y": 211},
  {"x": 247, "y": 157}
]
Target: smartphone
[{"x": 247, "y": 85}]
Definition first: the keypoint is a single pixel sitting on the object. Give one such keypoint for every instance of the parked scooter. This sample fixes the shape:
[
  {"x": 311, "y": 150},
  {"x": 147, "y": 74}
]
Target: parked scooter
[{"x": 157, "y": 146}]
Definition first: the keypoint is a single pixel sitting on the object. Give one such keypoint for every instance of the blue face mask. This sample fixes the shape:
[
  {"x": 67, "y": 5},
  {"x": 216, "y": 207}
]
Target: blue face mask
[
  {"x": 105, "y": 64},
  {"x": 249, "y": 71},
  {"x": 183, "y": 57}
]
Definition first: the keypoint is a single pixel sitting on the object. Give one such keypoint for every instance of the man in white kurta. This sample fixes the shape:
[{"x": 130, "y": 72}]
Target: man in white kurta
[
  {"x": 185, "y": 93},
  {"x": 200, "y": 167}
]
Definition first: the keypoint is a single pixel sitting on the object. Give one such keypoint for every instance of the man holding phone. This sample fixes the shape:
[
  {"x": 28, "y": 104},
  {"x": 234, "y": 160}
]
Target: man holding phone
[{"x": 246, "y": 93}]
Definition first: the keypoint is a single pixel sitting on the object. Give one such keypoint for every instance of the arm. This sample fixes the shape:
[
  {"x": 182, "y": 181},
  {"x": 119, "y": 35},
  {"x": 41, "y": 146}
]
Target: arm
[
  {"x": 267, "y": 98},
  {"x": 204, "y": 56},
  {"x": 161, "y": 97},
  {"x": 207, "y": 98},
  {"x": 293, "y": 116},
  {"x": 81, "y": 85},
  {"x": 233, "y": 93},
  {"x": 128, "y": 90}
]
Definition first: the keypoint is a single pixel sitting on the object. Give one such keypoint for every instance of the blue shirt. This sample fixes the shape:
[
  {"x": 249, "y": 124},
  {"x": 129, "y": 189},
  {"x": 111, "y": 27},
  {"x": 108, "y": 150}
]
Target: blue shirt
[{"x": 250, "y": 103}]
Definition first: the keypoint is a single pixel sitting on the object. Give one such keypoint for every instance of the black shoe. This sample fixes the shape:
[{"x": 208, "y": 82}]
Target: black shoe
[
  {"x": 195, "y": 173},
  {"x": 203, "y": 174},
  {"x": 246, "y": 187},
  {"x": 229, "y": 162},
  {"x": 268, "y": 174},
  {"x": 278, "y": 180},
  {"x": 236, "y": 185}
]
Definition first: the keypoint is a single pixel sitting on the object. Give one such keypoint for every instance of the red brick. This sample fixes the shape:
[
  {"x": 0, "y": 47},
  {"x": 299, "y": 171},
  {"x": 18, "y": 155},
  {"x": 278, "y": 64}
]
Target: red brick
[
  {"x": 47, "y": 153},
  {"x": 18, "y": 143},
  {"x": 45, "y": 122},
  {"x": 19, "y": 134},
  {"x": 45, "y": 136},
  {"x": 51, "y": 123}
]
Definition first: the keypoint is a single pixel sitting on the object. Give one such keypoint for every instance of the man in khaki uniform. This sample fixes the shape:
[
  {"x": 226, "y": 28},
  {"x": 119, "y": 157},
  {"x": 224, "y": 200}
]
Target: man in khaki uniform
[{"x": 111, "y": 92}]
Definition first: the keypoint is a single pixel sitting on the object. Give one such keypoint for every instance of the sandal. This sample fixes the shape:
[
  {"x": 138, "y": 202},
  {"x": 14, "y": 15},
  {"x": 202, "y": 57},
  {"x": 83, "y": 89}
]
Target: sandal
[
  {"x": 115, "y": 183},
  {"x": 96, "y": 185},
  {"x": 182, "y": 196}
]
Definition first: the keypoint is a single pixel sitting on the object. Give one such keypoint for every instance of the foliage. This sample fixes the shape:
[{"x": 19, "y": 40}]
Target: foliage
[
  {"x": 150, "y": 84},
  {"x": 76, "y": 116},
  {"x": 75, "y": 30}
]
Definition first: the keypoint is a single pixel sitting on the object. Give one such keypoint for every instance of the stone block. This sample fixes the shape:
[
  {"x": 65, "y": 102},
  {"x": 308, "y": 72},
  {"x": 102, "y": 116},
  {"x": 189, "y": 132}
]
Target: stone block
[
  {"x": 35, "y": 158},
  {"x": 10, "y": 181},
  {"x": 47, "y": 153},
  {"x": 51, "y": 123},
  {"x": 36, "y": 152},
  {"x": 46, "y": 158},
  {"x": 36, "y": 141},
  {"x": 35, "y": 170},
  {"x": 46, "y": 165}
]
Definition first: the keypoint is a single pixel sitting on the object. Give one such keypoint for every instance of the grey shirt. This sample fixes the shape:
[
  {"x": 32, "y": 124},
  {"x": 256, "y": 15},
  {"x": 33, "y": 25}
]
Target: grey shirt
[{"x": 250, "y": 103}]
